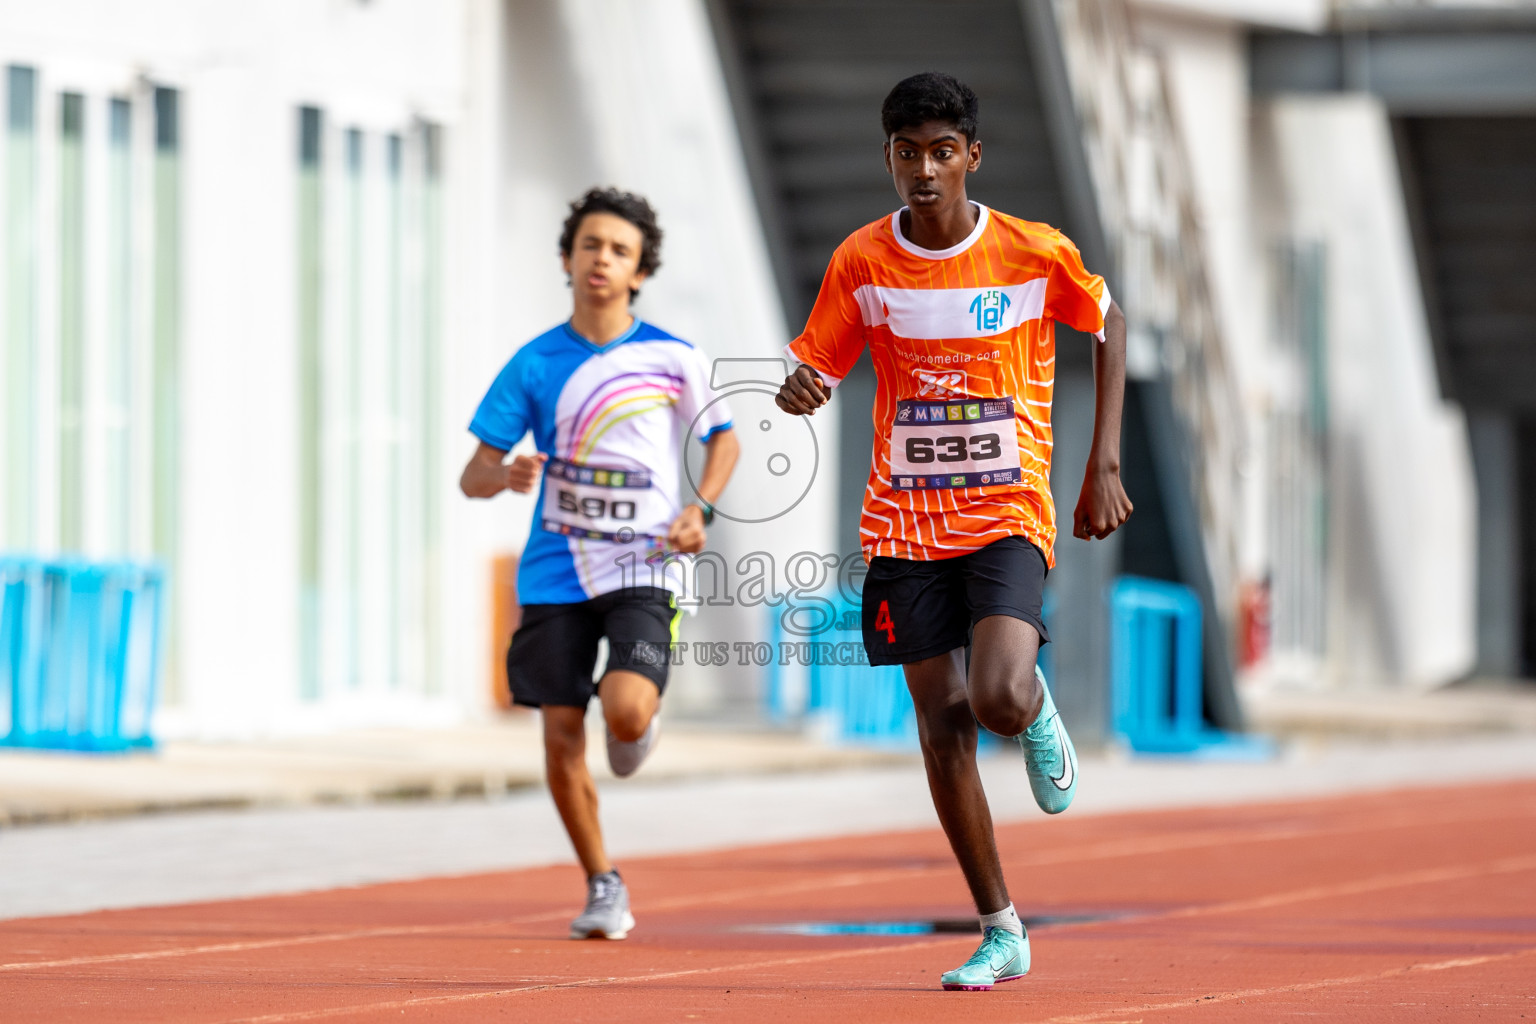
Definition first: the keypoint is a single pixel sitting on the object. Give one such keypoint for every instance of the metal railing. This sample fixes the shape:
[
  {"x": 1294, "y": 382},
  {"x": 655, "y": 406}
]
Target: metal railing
[{"x": 1145, "y": 196}]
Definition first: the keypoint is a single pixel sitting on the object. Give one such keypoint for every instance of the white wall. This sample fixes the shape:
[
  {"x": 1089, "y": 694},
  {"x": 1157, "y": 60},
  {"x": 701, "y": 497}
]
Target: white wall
[
  {"x": 370, "y": 66},
  {"x": 1296, "y": 15},
  {"x": 539, "y": 99},
  {"x": 242, "y": 70},
  {"x": 1402, "y": 552}
]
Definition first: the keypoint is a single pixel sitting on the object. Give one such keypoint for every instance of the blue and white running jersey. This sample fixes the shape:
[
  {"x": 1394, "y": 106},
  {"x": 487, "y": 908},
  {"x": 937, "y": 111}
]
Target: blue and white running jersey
[{"x": 608, "y": 417}]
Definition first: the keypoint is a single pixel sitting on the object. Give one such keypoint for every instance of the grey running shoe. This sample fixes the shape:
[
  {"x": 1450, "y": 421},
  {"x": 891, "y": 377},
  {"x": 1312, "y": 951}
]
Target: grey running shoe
[
  {"x": 625, "y": 758},
  {"x": 607, "y": 915}
]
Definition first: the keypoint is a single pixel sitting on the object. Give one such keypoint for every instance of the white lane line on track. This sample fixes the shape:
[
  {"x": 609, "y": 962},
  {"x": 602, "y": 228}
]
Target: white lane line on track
[
  {"x": 1504, "y": 865},
  {"x": 393, "y": 931},
  {"x": 369, "y": 1009},
  {"x": 1117, "y": 1014},
  {"x": 1090, "y": 851},
  {"x": 1425, "y": 876}
]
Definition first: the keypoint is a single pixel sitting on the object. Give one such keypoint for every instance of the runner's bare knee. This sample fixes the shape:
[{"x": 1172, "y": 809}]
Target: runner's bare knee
[
  {"x": 1004, "y": 692},
  {"x": 629, "y": 701},
  {"x": 628, "y": 722}
]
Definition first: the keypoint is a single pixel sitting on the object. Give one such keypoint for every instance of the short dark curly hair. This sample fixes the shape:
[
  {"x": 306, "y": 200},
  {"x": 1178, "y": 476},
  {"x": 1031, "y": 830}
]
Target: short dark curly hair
[
  {"x": 931, "y": 96},
  {"x": 632, "y": 208}
]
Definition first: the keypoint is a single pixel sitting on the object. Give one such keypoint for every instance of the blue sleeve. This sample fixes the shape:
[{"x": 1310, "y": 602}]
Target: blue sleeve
[{"x": 505, "y": 413}]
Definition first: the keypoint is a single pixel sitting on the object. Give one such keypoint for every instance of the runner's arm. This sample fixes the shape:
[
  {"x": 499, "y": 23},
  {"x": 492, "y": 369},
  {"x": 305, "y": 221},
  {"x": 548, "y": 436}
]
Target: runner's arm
[
  {"x": 833, "y": 338},
  {"x": 486, "y": 475},
  {"x": 720, "y": 452},
  {"x": 1103, "y": 506}
]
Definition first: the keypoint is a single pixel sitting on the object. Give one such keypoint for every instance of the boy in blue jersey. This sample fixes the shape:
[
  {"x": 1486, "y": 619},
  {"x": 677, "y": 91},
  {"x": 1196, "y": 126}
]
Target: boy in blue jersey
[{"x": 604, "y": 394}]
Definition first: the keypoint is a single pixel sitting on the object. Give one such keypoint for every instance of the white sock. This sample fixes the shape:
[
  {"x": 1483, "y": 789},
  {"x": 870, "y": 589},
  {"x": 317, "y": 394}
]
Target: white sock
[{"x": 1007, "y": 919}]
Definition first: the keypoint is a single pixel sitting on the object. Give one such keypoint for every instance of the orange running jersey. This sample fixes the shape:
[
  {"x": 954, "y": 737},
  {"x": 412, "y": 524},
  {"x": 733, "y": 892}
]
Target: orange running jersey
[{"x": 964, "y": 346}]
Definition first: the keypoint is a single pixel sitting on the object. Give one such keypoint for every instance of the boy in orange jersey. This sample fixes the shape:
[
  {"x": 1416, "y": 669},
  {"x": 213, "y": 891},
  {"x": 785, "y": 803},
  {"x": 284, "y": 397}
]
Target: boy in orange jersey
[{"x": 958, "y": 305}]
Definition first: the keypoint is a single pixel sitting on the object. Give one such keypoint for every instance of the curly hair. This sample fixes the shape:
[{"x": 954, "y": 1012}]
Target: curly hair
[
  {"x": 632, "y": 208},
  {"x": 930, "y": 96}
]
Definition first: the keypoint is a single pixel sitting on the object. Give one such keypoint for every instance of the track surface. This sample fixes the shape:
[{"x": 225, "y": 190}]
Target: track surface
[{"x": 1409, "y": 905}]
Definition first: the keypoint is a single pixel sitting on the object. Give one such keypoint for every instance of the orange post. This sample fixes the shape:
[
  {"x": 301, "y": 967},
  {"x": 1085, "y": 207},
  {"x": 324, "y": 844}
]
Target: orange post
[{"x": 506, "y": 613}]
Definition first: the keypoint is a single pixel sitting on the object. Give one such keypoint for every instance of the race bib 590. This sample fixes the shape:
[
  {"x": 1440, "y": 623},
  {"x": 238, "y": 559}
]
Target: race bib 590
[
  {"x": 597, "y": 503},
  {"x": 967, "y": 442}
]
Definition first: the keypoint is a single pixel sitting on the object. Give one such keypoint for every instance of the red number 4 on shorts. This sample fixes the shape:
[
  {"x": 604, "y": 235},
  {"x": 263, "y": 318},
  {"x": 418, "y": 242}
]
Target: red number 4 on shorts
[{"x": 883, "y": 622}]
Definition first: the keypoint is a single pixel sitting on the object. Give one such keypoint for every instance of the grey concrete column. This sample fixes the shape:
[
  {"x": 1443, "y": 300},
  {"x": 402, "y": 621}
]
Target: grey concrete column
[{"x": 1495, "y": 460}]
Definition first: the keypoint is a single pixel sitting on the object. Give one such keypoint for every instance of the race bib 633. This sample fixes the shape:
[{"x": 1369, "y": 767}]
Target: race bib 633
[{"x": 966, "y": 442}]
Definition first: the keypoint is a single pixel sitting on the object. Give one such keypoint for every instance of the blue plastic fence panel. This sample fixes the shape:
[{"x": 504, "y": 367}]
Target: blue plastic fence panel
[
  {"x": 867, "y": 704},
  {"x": 872, "y": 703},
  {"x": 80, "y": 648},
  {"x": 1155, "y": 662},
  {"x": 1157, "y": 692}
]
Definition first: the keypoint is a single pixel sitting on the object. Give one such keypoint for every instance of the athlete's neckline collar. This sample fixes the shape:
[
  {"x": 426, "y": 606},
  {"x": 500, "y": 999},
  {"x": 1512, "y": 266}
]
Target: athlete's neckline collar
[
  {"x": 941, "y": 254},
  {"x": 577, "y": 336}
]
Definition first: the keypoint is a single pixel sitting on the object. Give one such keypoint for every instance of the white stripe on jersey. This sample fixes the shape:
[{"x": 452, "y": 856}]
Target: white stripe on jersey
[{"x": 933, "y": 313}]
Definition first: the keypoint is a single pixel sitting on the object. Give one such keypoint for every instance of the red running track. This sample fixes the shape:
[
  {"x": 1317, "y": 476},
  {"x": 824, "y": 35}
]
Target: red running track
[{"x": 1409, "y": 905}]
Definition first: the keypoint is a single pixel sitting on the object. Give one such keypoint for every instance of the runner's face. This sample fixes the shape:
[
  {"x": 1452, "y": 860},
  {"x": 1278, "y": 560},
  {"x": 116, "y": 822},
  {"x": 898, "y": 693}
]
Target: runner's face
[
  {"x": 929, "y": 164},
  {"x": 604, "y": 264}
]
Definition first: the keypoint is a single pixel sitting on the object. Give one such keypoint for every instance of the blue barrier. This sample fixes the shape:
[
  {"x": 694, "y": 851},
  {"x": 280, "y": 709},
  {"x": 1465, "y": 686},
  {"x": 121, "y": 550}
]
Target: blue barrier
[
  {"x": 80, "y": 647},
  {"x": 1156, "y": 689},
  {"x": 871, "y": 703},
  {"x": 866, "y": 704}
]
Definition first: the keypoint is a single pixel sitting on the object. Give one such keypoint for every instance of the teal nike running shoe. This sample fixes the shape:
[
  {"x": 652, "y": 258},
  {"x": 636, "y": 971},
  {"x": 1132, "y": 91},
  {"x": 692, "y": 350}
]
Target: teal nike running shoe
[
  {"x": 1049, "y": 756},
  {"x": 1002, "y": 956}
]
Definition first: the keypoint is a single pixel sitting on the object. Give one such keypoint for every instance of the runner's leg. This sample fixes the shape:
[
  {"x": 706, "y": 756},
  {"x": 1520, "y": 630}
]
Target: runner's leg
[
  {"x": 1004, "y": 693},
  {"x": 641, "y": 626},
  {"x": 629, "y": 703},
  {"x": 565, "y": 763},
  {"x": 947, "y": 729}
]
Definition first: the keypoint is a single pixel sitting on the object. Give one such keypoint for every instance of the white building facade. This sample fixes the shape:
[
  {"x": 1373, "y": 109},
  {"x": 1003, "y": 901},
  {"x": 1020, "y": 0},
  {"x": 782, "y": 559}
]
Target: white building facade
[
  {"x": 1358, "y": 524},
  {"x": 260, "y": 264}
]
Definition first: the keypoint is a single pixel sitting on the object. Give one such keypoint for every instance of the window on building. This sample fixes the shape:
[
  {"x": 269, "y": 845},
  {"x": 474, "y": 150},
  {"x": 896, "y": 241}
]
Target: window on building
[
  {"x": 89, "y": 321},
  {"x": 1298, "y": 459},
  {"x": 71, "y": 319},
  {"x": 369, "y": 269},
  {"x": 21, "y": 356},
  {"x": 119, "y": 364},
  {"x": 89, "y": 333},
  {"x": 165, "y": 343}
]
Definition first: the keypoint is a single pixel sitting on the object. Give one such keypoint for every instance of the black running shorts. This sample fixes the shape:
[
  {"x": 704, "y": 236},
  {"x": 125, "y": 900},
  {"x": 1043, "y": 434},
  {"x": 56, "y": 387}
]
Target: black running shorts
[
  {"x": 554, "y": 651},
  {"x": 916, "y": 610}
]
